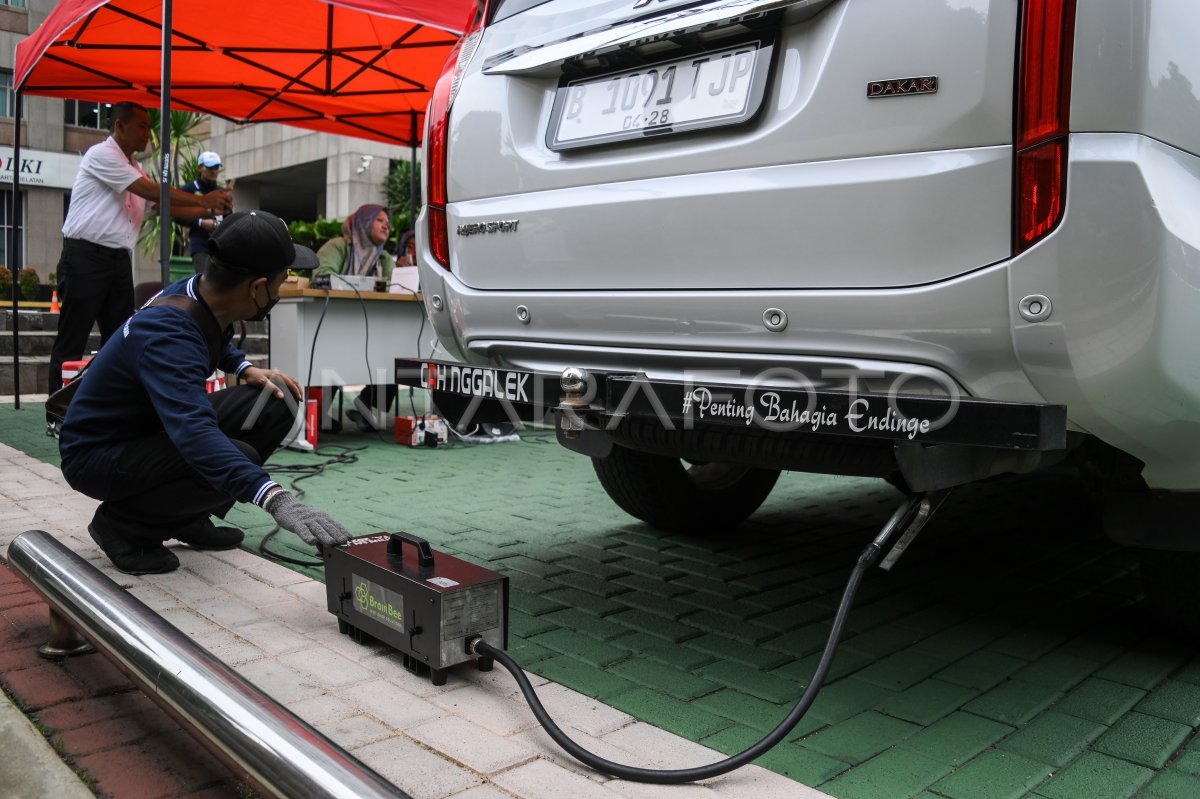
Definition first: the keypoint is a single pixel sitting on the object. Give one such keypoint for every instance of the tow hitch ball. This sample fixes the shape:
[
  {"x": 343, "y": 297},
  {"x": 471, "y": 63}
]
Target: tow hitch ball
[{"x": 574, "y": 382}]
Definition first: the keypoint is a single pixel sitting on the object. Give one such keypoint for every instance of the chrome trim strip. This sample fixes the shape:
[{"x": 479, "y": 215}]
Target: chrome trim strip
[{"x": 712, "y": 14}]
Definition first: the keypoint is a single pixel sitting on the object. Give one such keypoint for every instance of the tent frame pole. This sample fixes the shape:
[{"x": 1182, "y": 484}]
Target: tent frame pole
[
  {"x": 164, "y": 142},
  {"x": 14, "y": 247}
]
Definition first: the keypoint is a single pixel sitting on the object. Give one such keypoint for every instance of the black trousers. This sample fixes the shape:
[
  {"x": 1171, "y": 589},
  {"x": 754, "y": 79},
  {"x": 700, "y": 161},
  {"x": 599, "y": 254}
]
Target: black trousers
[
  {"x": 156, "y": 494},
  {"x": 95, "y": 285}
]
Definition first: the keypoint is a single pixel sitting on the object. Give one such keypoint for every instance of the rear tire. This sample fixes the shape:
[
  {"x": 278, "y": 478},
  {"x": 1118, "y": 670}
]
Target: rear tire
[
  {"x": 668, "y": 494},
  {"x": 1171, "y": 582}
]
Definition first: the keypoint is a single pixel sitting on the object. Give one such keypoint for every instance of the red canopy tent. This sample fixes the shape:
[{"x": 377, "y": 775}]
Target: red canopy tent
[
  {"x": 358, "y": 68},
  {"x": 361, "y": 68}
]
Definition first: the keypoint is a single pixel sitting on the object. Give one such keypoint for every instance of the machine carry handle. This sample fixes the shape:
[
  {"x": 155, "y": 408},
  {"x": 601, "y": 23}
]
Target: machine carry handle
[{"x": 424, "y": 552}]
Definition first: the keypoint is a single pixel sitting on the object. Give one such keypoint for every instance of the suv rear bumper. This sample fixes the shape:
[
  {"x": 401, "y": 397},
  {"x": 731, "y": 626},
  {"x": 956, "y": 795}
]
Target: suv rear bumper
[{"x": 961, "y": 326}]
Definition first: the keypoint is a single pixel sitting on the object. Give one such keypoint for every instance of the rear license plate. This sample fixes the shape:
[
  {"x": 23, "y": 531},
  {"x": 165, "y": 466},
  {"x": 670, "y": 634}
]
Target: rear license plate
[{"x": 722, "y": 87}]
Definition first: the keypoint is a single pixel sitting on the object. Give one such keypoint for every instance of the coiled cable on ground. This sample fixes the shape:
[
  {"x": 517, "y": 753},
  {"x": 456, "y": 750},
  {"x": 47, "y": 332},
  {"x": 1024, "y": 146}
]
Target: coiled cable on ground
[
  {"x": 901, "y": 519},
  {"x": 676, "y": 776}
]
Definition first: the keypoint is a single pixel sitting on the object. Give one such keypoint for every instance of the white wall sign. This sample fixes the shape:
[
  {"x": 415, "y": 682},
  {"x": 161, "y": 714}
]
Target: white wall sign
[{"x": 40, "y": 168}]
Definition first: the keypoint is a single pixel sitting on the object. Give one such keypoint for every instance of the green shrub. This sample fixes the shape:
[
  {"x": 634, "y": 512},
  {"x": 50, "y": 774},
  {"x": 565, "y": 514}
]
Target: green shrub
[
  {"x": 315, "y": 233},
  {"x": 302, "y": 232},
  {"x": 399, "y": 190},
  {"x": 326, "y": 229},
  {"x": 29, "y": 283},
  {"x": 6, "y": 283}
]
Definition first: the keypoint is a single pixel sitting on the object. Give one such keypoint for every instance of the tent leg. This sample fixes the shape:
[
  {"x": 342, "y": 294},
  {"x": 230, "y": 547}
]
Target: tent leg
[{"x": 14, "y": 247}]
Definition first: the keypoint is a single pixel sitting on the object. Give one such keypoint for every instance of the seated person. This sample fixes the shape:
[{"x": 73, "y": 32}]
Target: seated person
[
  {"x": 407, "y": 251},
  {"x": 359, "y": 251}
]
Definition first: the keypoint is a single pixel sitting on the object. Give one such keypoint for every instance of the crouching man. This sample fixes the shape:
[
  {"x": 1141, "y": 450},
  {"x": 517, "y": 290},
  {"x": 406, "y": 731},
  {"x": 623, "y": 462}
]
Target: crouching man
[{"x": 142, "y": 434}]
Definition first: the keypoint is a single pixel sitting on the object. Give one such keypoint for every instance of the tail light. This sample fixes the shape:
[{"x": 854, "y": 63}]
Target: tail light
[
  {"x": 439, "y": 127},
  {"x": 1043, "y": 105}
]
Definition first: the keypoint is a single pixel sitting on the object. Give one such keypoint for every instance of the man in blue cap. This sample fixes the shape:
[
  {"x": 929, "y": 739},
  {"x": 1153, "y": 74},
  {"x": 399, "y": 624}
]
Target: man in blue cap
[
  {"x": 142, "y": 434},
  {"x": 209, "y": 169}
]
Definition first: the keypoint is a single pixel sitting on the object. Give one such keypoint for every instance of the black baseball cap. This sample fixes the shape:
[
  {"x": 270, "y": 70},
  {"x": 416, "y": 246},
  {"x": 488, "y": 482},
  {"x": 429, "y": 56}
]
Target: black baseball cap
[{"x": 257, "y": 243}]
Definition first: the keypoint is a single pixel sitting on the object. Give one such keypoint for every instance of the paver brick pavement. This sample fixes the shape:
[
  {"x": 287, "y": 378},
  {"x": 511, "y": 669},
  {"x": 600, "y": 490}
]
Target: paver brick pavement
[
  {"x": 1098, "y": 776},
  {"x": 1100, "y": 700},
  {"x": 927, "y": 701},
  {"x": 130, "y": 749},
  {"x": 957, "y": 738},
  {"x": 893, "y": 774},
  {"x": 1013, "y": 701},
  {"x": 1145, "y": 740},
  {"x": 471, "y": 745},
  {"x": 98, "y": 721},
  {"x": 994, "y": 774},
  {"x": 806, "y": 766},
  {"x": 860, "y": 738},
  {"x": 1174, "y": 700},
  {"x": 1170, "y": 784},
  {"x": 1008, "y": 611},
  {"x": 41, "y": 688},
  {"x": 1053, "y": 738}
]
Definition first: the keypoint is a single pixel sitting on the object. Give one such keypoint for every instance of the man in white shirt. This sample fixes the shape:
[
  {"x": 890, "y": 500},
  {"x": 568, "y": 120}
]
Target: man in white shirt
[{"x": 108, "y": 202}]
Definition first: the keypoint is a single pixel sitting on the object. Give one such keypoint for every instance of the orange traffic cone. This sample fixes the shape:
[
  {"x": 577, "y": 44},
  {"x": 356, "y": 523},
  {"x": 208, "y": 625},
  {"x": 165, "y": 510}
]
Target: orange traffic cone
[{"x": 54, "y": 307}]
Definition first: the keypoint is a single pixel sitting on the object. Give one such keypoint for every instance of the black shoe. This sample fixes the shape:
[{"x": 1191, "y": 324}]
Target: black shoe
[
  {"x": 134, "y": 558},
  {"x": 207, "y": 535}
]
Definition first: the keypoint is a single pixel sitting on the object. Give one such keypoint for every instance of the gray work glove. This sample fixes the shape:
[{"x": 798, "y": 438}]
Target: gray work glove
[{"x": 312, "y": 525}]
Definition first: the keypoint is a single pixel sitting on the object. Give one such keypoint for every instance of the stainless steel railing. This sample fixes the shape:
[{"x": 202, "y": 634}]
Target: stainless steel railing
[{"x": 276, "y": 751}]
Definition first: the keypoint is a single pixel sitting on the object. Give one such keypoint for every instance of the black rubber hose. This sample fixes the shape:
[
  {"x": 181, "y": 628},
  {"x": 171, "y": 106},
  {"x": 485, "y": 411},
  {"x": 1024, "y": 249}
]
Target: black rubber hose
[{"x": 676, "y": 776}]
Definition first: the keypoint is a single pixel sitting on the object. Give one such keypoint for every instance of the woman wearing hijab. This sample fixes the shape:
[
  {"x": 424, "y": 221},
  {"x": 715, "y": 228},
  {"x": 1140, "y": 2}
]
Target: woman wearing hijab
[{"x": 359, "y": 251}]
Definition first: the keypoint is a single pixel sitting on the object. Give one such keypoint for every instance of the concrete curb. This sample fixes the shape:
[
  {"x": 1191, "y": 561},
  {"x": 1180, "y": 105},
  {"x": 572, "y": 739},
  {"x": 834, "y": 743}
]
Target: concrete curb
[{"x": 30, "y": 767}]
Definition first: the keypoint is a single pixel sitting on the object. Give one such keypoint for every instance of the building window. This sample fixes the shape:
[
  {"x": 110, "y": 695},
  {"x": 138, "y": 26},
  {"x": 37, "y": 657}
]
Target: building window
[
  {"x": 84, "y": 114},
  {"x": 6, "y": 223},
  {"x": 6, "y": 92},
  {"x": 14, "y": 3}
]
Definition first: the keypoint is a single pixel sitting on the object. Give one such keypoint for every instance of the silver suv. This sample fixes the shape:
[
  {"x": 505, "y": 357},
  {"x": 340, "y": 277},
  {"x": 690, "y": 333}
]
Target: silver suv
[{"x": 931, "y": 241}]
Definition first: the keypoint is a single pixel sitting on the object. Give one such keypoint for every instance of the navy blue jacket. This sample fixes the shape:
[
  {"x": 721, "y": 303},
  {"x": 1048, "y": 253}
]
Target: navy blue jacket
[
  {"x": 198, "y": 238},
  {"x": 147, "y": 378}
]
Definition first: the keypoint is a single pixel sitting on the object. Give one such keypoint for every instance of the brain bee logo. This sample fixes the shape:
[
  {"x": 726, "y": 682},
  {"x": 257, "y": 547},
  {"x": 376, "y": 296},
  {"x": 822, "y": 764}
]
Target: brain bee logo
[{"x": 361, "y": 593}]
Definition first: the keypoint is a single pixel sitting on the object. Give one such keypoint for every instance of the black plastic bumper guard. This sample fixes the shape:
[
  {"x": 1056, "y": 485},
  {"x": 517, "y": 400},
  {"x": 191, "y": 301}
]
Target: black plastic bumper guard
[{"x": 491, "y": 394}]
